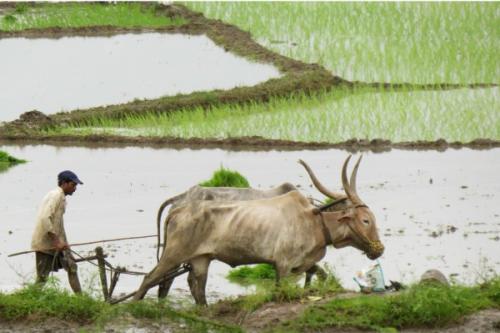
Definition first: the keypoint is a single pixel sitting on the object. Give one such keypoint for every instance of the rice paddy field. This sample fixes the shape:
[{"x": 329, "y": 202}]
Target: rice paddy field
[
  {"x": 73, "y": 15},
  {"x": 409, "y": 72},
  {"x": 456, "y": 115},
  {"x": 421, "y": 43}
]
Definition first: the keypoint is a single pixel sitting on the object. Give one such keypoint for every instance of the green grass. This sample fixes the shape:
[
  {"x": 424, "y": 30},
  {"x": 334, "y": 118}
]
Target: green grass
[
  {"x": 456, "y": 115},
  {"x": 35, "y": 303},
  {"x": 428, "y": 305},
  {"x": 252, "y": 274},
  {"x": 419, "y": 42},
  {"x": 226, "y": 178},
  {"x": 287, "y": 291},
  {"x": 74, "y": 15},
  {"x": 50, "y": 301},
  {"x": 6, "y": 161}
]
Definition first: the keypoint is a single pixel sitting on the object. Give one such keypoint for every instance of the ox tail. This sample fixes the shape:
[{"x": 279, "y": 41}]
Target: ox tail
[{"x": 158, "y": 220}]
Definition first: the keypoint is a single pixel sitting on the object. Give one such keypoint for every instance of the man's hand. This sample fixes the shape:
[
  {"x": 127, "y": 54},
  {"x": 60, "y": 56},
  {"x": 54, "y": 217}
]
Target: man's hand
[
  {"x": 58, "y": 244},
  {"x": 61, "y": 246}
]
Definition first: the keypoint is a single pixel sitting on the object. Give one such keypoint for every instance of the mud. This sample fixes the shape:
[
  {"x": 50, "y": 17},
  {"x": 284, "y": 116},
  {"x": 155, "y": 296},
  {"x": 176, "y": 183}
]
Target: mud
[{"x": 253, "y": 143}]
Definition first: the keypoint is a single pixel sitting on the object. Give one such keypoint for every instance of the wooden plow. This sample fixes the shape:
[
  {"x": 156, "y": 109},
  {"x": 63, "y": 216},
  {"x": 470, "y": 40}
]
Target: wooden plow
[{"x": 114, "y": 272}]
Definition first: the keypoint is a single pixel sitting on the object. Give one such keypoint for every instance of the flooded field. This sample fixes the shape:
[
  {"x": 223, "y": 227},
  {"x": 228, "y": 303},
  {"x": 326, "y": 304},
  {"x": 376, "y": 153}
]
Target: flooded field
[
  {"x": 52, "y": 75},
  {"x": 434, "y": 209}
]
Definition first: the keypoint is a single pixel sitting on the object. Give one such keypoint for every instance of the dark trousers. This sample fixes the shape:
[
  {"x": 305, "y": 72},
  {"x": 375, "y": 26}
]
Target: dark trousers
[{"x": 46, "y": 263}]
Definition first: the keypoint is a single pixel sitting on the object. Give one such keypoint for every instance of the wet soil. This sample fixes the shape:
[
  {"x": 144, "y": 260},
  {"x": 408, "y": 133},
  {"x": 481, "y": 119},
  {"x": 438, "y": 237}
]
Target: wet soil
[
  {"x": 298, "y": 77},
  {"x": 268, "y": 316},
  {"x": 252, "y": 143}
]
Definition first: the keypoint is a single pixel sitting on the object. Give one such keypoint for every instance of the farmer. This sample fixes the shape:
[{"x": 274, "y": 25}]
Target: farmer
[{"x": 49, "y": 238}]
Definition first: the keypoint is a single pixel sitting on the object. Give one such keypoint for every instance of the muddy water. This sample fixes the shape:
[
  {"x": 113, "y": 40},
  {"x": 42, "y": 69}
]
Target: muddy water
[
  {"x": 53, "y": 75},
  {"x": 435, "y": 209}
]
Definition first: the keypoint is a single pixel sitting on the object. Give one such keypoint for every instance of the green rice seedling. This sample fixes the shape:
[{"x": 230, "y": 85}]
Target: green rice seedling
[
  {"x": 420, "y": 42},
  {"x": 73, "y": 15},
  {"x": 226, "y": 178},
  {"x": 455, "y": 115}
]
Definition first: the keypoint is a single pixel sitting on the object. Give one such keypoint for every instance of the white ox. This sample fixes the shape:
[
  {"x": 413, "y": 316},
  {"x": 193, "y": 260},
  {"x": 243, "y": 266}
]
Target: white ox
[
  {"x": 197, "y": 193},
  {"x": 286, "y": 231}
]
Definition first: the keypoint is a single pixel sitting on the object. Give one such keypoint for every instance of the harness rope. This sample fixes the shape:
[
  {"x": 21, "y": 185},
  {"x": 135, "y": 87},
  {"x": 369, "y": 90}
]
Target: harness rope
[{"x": 372, "y": 245}]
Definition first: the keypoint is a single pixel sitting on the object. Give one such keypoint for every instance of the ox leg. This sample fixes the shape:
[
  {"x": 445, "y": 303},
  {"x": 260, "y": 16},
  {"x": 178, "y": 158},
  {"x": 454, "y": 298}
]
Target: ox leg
[
  {"x": 280, "y": 272},
  {"x": 197, "y": 279},
  {"x": 314, "y": 270},
  {"x": 164, "y": 287},
  {"x": 154, "y": 277}
]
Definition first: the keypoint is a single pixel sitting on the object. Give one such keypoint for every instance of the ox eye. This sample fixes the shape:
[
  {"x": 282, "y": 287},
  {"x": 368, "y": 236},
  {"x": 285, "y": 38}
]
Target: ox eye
[{"x": 366, "y": 222}]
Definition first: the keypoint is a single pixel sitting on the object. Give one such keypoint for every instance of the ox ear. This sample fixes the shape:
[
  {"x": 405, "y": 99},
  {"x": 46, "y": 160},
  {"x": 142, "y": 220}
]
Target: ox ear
[{"x": 345, "y": 219}]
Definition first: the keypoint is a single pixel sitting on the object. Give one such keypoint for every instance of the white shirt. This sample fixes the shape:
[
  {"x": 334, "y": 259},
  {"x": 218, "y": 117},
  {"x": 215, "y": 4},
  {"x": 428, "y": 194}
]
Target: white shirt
[{"x": 49, "y": 219}]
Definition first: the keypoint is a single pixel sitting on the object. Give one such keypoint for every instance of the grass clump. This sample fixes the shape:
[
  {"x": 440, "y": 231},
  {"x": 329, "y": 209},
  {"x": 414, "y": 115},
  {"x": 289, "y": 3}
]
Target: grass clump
[
  {"x": 252, "y": 274},
  {"x": 226, "y": 178},
  {"x": 426, "y": 305},
  {"x": 50, "y": 301},
  {"x": 6, "y": 161}
]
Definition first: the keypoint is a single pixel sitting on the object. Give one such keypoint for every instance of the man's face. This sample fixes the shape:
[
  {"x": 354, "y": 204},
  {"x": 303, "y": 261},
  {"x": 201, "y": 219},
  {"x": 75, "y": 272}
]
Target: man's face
[{"x": 69, "y": 187}]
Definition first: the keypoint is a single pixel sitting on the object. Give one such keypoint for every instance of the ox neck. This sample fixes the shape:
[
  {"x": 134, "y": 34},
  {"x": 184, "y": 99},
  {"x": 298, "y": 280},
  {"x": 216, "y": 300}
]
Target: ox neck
[{"x": 326, "y": 231}]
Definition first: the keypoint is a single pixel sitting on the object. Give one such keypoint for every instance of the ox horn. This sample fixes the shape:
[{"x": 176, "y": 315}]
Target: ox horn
[
  {"x": 352, "y": 181},
  {"x": 351, "y": 191},
  {"x": 316, "y": 182}
]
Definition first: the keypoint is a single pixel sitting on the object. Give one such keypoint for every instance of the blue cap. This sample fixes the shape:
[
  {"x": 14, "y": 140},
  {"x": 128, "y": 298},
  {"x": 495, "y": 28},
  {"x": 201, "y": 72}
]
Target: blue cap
[{"x": 69, "y": 176}]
